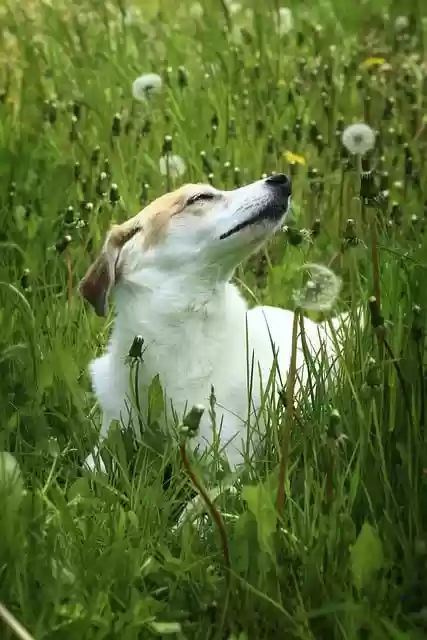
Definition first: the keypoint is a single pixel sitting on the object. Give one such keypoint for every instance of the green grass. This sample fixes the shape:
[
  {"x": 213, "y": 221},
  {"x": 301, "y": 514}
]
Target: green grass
[{"x": 97, "y": 557}]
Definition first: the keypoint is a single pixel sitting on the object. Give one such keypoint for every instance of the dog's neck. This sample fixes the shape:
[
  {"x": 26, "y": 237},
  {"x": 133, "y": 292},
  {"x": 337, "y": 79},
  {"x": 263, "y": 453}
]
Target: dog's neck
[{"x": 166, "y": 309}]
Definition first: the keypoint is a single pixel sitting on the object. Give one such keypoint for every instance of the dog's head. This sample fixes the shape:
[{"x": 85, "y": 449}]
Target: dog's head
[{"x": 195, "y": 230}]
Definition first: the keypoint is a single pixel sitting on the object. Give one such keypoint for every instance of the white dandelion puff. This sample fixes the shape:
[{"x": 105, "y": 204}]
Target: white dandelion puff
[
  {"x": 321, "y": 289},
  {"x": 358, "y": 138},
  {"x": 11, "y": 482},
  {"x": 285, "y": 21},
  {"x": 196, "y": 10},
  {"x": 144, "y": 86},
  {"x": 172, "y": 165},
  {"x": 401, "y": 23},
  {"x": 233, "y": 7},
  {"x": 132, "y": 16},
  {"x": 196, "y": 508}
]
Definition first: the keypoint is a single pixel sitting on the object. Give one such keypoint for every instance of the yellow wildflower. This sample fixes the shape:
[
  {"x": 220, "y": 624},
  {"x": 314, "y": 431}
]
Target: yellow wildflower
[
  {"x": 372, "y": 62},
  {"x": 294, "y": 157}
]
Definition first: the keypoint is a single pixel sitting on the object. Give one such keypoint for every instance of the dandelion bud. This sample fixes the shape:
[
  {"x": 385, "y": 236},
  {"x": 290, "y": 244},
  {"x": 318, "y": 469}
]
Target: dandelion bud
[
  {"x": 327, "y": 72},
  {"x": 367, "y": 187},
  {"x": 315, "y": 229},
  {"x": 63, "y": 243},
  {"x": 313, "y": 132},
  {"x": 107, "y": 168},
  {"x": 182, "y": 77},
  {"x": 211, "y": 178},
  {"x": 350, "y": 231},
  {"x": 192, "y": 419},
  {"x": 25, "y": 279},
  {"x": 69, "y": 215},
  {"x": 298, "y": 131},
  {"x": 377, "y": 320},
  {"x": 101, "y": 186},
  {"x": 418, "y": 325},
  {"x": 236, "y": 177},
  {"x": 143, "y": 198},
  {"x": 74, "y": 134},
  {"x": 225, "y": 171},
  {"x": 285, "y": 134},
  {"x": 334, "y": 422},
  {"x": 167, "y": 145},
  {"x": 207, "y": 167},
  {"x": 96, "y": 153},
  {"x": 77, "y": 171},
  {"x": 373, "y": 377},
  {"x": 320, "y": 143},
  {"x": 116, "y": 126},
  {"x": 215, "y": 120},
  {"x": 135, "y": 352},
  {"x": 389, "y": 108},
  {"x": 114, "y": 193},
  {"x": 384, "y": 181},
  {"x": 76, "y": 109},
  {"x": 321, "y": 289},
  {"x": 294, "y": 236}
]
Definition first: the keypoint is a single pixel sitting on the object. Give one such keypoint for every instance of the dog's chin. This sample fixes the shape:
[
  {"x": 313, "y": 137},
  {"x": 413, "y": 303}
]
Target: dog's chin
[{"x": 262, "y": 222}]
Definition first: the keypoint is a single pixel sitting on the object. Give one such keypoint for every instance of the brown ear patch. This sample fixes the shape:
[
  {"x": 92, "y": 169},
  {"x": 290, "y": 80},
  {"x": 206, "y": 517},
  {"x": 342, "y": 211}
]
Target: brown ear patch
[
  {"x": 95, "y": 285},
  {"x": 99, "y": 279},
  {"x": 152, "y": 221}
]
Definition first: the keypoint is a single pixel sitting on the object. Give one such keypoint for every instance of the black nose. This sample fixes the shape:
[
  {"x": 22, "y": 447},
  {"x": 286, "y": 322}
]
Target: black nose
[{"x": 281, "y": 181}]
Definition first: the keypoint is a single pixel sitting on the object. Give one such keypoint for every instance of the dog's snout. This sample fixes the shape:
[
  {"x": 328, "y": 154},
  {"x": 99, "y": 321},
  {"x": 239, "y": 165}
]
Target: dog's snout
[{"x": 281, "y": 181}]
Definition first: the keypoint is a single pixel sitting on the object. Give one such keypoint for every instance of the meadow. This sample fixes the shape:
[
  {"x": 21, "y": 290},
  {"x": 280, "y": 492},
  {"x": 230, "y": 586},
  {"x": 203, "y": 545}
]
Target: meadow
[{"x": 241, "y": 90}]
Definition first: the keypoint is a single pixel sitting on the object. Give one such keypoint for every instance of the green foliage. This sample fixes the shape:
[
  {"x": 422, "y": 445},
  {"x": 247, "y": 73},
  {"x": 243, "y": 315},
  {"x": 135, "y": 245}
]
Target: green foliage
[{"x": 94, "y": 556}]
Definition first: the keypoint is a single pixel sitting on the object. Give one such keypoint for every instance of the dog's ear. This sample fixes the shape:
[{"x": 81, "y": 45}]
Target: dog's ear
[{"x": 96, "y": 284}]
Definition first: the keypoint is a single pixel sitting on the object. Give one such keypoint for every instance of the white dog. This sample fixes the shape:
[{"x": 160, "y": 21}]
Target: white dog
[{"x": 169, "y": 270}]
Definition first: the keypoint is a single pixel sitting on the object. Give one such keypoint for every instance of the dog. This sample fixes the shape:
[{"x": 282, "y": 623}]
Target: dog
[{"x": 169, "y": 271}]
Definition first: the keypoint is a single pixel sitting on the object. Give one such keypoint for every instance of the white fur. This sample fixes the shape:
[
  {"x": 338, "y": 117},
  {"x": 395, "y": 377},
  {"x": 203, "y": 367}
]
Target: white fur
[{"x": 178, "y": 296}]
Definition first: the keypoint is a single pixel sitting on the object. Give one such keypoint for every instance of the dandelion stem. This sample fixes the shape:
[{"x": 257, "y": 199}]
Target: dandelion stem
[
  {"x": 211, "y": 507},
  {"x": 70, "y": 276},
  {"x": 375, "y": 263},
  {"x": 289, "y": 415},
  {"x": 13, "y": 624}
]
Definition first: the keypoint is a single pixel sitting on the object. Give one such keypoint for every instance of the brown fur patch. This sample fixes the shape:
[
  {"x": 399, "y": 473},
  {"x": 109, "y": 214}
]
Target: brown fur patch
[
  {"x": 153, "y": 219},
  {"x": 152, "y": 222}
]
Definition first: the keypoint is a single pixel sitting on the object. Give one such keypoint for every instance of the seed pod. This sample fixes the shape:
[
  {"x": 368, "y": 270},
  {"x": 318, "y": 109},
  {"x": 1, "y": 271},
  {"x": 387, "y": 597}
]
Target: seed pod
[
  {"x": 63, "y": 243},
  {"x": 114, "y": 194},
  {"x": 182, "y": 77},
  {"x": 95, "y": 156},
  {"x": 207, "y": 167},
  {"x": 167, "y": 145},
  {"x": 236, "y": 177},
  {"x": 135, "y": 352},
  {"x": 116, "y": 126}
]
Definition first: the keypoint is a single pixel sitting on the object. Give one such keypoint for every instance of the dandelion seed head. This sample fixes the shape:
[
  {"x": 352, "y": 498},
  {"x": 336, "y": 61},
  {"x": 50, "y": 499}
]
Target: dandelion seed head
[
  {"x": 285, "y": 21},
  {"x": 358, "y": 138},
  {"x": 144, "y": 86},
  {"x": 196, "y": 10},
  {"x": 172, "y": 165},
  {"x": 401, "y": 23},
  {"x": 321, "y": 289}
]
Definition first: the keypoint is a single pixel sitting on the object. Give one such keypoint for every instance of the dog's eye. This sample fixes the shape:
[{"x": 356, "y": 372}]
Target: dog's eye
[{"x": 204, "y": 196}]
